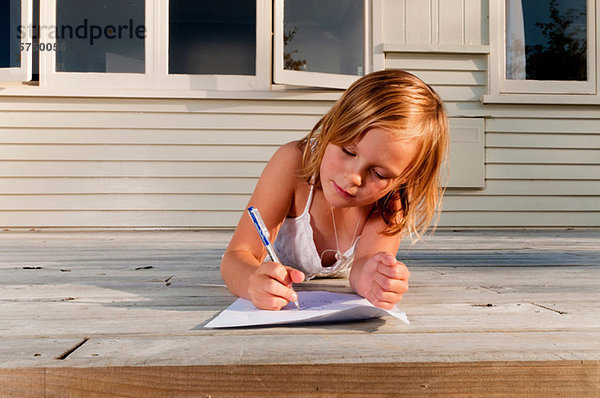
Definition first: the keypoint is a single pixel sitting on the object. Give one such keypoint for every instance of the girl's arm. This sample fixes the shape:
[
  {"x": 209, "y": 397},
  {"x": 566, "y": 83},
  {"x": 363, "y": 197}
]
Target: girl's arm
[
  {"x": 267, "y": 284},
  {"x": 376, "y": 274}
]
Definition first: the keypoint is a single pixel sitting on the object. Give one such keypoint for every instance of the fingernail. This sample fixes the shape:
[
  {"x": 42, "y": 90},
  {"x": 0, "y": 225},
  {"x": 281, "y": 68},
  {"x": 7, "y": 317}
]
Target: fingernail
[
  {"x": 294, "y": 297},
  {"x": 391, "y": 258}
]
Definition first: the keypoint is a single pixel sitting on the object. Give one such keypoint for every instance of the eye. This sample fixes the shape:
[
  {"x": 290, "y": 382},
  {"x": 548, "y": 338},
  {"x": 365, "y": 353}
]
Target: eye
[
  {"x": 379, "y": 176},
  {"x": 348, "y": 152}
]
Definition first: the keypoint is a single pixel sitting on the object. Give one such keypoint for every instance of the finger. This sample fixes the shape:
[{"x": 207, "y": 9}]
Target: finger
[
  {"x": 295, "y": 275},
  {"x": 384, "y": 305},
  {"x": 376, "y": 301},
  {"x": 389, "y": 259},
  {"x": 384, "y": 296},
  {"x": 388, "y": 284},
  {"x": 396, "y": 271},
  {"x": 268, "y": 302},
  {"x": 278, "y": 272},
  {"x": 275, "y": 288}
]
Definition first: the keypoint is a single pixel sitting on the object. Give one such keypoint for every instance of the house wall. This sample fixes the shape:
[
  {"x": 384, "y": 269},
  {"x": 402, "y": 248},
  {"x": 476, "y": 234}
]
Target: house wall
[
  {"x": 542, "y": 162},
  {"x": 85, "y": 162},
  {"x": 143, "y": 163}
]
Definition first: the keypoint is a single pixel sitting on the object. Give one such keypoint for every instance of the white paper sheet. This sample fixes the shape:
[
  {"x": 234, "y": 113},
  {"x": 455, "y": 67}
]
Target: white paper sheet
[{"x": 314, "y": 307}]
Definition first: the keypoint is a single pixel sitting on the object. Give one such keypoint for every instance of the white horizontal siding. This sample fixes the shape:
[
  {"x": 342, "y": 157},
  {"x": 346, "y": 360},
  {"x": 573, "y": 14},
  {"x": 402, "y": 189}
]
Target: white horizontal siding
[
  {"x": 508, "y": 186},
  {"x": 129, "y": 219},
  {"x": 461, "y": 84},
  {"x": 155, "y": 120},
  {"x": 134, "y": 163},
  {"x": 113, "y": 152},
  {"x": 569, "y": 140},
  {"x": 193, "y": 171},
  {"x": 124, "y": 202},
  {"x": 543, "y": 172},
  {"x": 520, "y": 219},
  {"x": 120, "y": 169},
  {"x": 148, "y": 136},
  {"x": 142, "y": 185},
  {"x": 522, "y": 203}
]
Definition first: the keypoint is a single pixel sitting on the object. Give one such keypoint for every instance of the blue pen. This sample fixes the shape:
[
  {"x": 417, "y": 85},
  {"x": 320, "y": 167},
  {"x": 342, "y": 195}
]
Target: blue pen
[{"x": 264, "y": 235}]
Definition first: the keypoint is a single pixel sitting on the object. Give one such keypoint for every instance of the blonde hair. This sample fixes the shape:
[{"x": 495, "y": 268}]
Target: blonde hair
[{"x": 402, "y": 104}]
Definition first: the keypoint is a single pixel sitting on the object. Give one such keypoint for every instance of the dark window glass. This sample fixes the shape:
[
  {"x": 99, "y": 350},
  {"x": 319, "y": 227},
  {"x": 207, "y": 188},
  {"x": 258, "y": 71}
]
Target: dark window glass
[
  {"x": 324, "y": 36},
  {"x": 212, "y": 37},
  {"x": 100, "y": 36},
  {"x": 10, "y": 32},
  {"x": 554, "y": 46}
]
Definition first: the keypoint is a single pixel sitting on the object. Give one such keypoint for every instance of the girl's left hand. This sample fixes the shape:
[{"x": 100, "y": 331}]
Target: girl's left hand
[{"x": 383, "y": 280}]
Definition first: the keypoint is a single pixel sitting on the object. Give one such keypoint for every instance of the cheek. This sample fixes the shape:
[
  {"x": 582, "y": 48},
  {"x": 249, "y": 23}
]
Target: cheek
[
  {"x": 330, "y": 163},
  {"x": 378, "y": 189}
]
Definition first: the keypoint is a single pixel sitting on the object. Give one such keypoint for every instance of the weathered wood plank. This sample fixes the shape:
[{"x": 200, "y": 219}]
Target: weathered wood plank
[
  {"x": 493, "y": 379},
  {"x": 32, "y": 351},
  {"x": 474, "y": 297},
  {"x": 309, "y": 348},
  {"x": 25, "y": 383}
]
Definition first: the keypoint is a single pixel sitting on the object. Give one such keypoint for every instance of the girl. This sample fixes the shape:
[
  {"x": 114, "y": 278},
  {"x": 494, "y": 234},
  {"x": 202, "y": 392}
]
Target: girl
[{"x": 339, "y": 200}]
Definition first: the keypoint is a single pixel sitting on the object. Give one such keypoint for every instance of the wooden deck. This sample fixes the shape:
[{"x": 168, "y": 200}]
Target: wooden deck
[{"x": 122, "y": 313}]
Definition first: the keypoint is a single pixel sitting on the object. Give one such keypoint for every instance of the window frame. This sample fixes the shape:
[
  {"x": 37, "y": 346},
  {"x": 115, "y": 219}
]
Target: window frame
[
  {"x": 316, "y": 79},
  {"x": 156, "y": 81},
  {"x": 260, "y": 80},
  {"x": 23, "y": 72},
  {"x": 156, "y": 58},
  {"x": 49, "y": 77},
  {"x": 500, "y": 86}
]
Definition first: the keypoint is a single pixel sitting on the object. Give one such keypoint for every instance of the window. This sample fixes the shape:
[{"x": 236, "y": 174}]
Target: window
[
  {"x": 543, "y": 47},
  {"x": 321, "y": 42},
  {"x": 187, "y": 45},
  {"x": 102, "y": 36},
  {"x": 212, "y": 37},
  {"x": 213, "y": 45},
  {"x": 15, "y": 56},
  {"x": 94, "y": 44}
]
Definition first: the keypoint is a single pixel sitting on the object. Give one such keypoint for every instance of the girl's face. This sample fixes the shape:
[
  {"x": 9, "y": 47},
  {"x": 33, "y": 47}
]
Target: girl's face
[{"x": 362, "y": 173}]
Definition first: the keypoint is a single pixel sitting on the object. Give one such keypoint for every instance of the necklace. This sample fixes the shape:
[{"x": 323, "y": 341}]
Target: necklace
[{"x": 338, "y": 254}]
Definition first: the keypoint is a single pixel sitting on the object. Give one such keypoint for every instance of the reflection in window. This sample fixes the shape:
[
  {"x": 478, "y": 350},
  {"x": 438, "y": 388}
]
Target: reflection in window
[
  {"x": 212, "y": 37},
  {"x": 10, "y": 21},
  {"x": 546, "y": 40},
  {"x": 100, "y": 36},
  {"x": 324, "y": 36}
]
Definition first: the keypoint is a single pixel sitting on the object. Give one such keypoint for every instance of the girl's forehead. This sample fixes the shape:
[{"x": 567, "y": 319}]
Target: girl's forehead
[
  {"x": 386, "y": 136},
  {"x": 386, "y": 149}
]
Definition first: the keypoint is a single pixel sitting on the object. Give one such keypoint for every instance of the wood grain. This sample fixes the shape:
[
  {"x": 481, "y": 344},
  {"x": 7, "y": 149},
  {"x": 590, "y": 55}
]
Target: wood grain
[
  {"x": 490, "y": 379},
  {"x": 505, "y": 313}
]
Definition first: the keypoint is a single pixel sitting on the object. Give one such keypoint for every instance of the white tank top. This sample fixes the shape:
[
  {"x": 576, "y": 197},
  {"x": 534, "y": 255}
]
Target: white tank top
[{"x": 296, "y": 248}]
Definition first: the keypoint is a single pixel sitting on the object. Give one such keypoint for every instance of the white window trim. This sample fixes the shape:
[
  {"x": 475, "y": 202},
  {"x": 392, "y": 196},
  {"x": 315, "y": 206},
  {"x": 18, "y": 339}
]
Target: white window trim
[
  {"x": 156, "y": 82},
  {"x": 315, "y": 79},
  {"x": 156, "y": 75},
  {"x": 22, "y": 73},
  {"x": 518, "y": 91},
  {"x": 49, "y": 77}
]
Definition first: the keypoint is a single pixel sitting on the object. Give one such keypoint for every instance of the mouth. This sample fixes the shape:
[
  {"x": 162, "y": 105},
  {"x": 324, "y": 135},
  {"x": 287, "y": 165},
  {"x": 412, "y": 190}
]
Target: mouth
[{"x": 342, "y": 192}]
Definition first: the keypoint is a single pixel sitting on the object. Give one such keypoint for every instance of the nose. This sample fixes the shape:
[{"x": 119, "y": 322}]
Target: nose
[{"x": 354, "y": 177}]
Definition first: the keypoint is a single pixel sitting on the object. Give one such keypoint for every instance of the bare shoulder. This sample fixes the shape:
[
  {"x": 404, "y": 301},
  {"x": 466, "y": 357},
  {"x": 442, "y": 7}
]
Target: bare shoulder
[
  {"x": 274, "y": 195},
  {"x": 285, "y": 166},
  {"x": 288, "y": 156},
  {"x": 279, "y": 181}
]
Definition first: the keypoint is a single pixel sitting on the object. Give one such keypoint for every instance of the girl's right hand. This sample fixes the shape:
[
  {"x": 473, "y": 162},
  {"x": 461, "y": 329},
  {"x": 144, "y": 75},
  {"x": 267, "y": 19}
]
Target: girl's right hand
[{"x": 270, "y": 285}]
